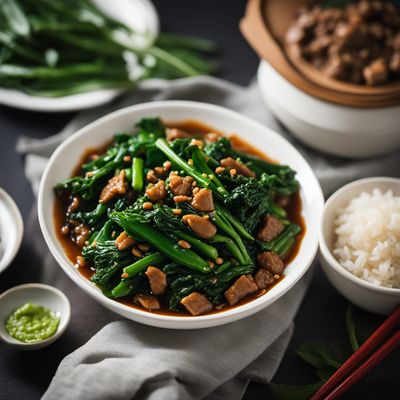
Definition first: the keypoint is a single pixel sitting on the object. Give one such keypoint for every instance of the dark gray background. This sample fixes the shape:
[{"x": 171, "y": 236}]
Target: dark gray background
[{"x": 321, "y": 317}]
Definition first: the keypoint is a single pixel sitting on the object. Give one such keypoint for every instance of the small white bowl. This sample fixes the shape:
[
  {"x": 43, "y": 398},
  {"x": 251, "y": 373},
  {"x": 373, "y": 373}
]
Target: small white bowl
[
  {"x": 332, "y": 128},
  {"x": 370, "y": 297},
  {"x": 67, "y": 155},
  {"x": 36, "y": 293},
  {"x": 11, "y": 230}
]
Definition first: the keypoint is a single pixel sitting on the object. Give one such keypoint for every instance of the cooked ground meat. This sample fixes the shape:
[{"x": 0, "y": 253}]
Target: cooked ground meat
[
  {"x": 179, "y": 185},
  {"x": 203, "y": 201},
  {"x": 151, "y": 176},
  {"x": 196, "y": 303},
  {"x": 241, "y": 288},
  {"x": 270, "y": 228},
  {"x": 395, "y": 62},
  {"x": 157, "y": 280},
  {"x": 175, "y": 133},
  {"x": 355, "y": 43},
  {"x": 201, "y": 227},
  {"x": 147, "y": 301},
  {"x": 241, "y": 168},
  {"x": 376, "y": 72},
  {"x": 264, "y": 278},
  {"x": 82, "y": 233},
  {"x": 74, "y": 205},
  {"x": 271, "y": 262},
  {"x": 123, "y": 241},
  {"x": 157, "y": 192},
  {"x": 114, "y": 187}
]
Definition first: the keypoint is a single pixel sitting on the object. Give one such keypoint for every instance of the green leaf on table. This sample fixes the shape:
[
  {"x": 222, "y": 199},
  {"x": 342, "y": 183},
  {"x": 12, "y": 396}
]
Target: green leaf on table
[
  {"x": 351, "y": 330},
  {"x": 319, "y": 354},
  {"x": 365, "y": 323},
  {"x": 294, "y": 392}
]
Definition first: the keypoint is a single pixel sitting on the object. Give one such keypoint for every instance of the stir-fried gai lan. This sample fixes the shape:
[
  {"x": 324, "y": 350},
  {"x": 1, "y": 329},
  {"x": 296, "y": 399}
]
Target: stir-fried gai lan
[{"x": 169, "y": 218}]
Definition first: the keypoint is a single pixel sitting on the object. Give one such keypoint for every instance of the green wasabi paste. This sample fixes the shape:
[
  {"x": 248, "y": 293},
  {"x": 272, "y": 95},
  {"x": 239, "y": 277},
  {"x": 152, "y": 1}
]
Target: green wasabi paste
[{"x": 32, "y": 323}]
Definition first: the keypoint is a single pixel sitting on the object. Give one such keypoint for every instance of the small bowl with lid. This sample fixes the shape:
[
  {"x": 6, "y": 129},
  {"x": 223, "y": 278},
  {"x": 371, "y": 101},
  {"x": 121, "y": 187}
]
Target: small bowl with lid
[
  {"x": 343, "y": 119},
  {"x": 362, "y": 292},
  {"x": 25, "y": 302}
]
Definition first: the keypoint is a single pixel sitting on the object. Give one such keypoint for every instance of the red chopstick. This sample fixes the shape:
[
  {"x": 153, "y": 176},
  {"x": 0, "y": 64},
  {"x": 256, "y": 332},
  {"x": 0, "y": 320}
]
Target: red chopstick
[{"x": 333, "y": 388}]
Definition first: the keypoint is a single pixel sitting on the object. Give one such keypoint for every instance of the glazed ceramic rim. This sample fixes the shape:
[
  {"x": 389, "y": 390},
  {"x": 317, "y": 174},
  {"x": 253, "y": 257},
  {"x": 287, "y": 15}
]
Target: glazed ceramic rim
[
  {"x": 61, "y": 327},
  {"x": 182, "y": 322},
  {"x": 19, "y": 225},
  {"x": 327, "y": 253}
]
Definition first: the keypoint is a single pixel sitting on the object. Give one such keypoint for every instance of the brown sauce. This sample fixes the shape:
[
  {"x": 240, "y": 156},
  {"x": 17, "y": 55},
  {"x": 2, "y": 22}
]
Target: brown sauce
[{"x": 72, "y": 250}]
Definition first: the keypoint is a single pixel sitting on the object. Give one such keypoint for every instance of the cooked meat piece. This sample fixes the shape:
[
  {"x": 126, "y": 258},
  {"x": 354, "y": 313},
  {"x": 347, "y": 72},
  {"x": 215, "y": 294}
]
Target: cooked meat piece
[
  {"x": 151, "y": 176},
  {"x": 147, "y": 301},
  {"x": 157, "y": 280},
  {"x": 336, "y": 68},
  {"x": 201, "y": 227},
  {"x": 114, "y": 187},
  {"x": 306, "y": 20},
  {"x": 203, "y": 201},
  {"x": 318, "y": 45},
  {"x": 157, "y": 192},
  {"x": 74, "y": 204},
  {"x": 196, "y": 303},
  {"x": 179, "y": 185},
  {"x": 264, "y": 278},
  {"x": 241, "y": 288},
  {"x": 175, "y": 133},
  {"x": 241, "y": 168},
  {"x": 271, "y": 262},
  {"x": 271, "y": 227},
  {"x": 295, "y": 34},
  {"x": 395, "y": 62},
  {"x": 396, "y": 41},
  {"x": 181, "y": 199},
  {"x": 376, "y": 72},
  {"x": 82, "y": 233},
  {"x": 123, "y": 241}
]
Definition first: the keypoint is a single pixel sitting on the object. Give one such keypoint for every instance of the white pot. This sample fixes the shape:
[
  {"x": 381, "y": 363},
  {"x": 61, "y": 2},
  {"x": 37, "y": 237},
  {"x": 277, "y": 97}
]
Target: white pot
[{"x": 331, "y": 128}]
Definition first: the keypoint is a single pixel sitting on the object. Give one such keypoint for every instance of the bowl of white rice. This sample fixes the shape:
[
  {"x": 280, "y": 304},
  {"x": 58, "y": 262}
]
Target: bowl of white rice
[{"x": 360, "y": 243}]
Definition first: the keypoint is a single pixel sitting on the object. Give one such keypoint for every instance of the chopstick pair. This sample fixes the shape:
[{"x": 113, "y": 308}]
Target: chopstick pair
[{"x": 358, "y": 365}]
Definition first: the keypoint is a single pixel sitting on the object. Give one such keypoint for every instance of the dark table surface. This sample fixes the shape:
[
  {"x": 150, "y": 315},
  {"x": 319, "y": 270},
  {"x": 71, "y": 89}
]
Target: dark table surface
[{"x": 321, "y": 316}]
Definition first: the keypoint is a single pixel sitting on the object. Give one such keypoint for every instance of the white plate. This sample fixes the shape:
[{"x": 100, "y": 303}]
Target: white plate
[
  {"x": 140, "y": 15},
  {"x": 11, "y": 230},
  {"x": 65, "y": 158}
]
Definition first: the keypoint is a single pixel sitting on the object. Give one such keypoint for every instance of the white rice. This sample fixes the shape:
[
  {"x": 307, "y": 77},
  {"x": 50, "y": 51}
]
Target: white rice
[{"x": 368, "y": 238}]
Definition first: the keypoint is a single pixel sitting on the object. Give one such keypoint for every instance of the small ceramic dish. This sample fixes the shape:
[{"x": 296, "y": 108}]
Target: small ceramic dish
[
  {"x": 11, "y": 230},
  {"x": 332, "y": 128},
  {"x": 36, "y": 293},
  {"x": 370, "y": 297}
]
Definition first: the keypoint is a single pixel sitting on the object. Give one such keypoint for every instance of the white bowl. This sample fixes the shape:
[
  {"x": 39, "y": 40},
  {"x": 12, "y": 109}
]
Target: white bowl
[
  {"x": 67, "y": 156},
  {"x": 37, "y": 293},
  {"x": 370, "y": 297},
  {"x": 332, "y": 128},
  {"x": 140, "y": 15},
  {"x": 11, "y": 230}
]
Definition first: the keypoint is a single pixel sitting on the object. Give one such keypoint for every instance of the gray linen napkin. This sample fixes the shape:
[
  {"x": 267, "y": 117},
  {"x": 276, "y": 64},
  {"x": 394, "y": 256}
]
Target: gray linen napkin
[{"x": 128, "y": 360}]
